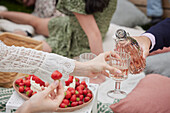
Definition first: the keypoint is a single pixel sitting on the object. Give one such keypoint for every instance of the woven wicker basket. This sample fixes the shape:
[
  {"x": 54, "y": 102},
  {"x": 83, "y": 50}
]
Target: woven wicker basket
[{"x": 7, "y": 78}]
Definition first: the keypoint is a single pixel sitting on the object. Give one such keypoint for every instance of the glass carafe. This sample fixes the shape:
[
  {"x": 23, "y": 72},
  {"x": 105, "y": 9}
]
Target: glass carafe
[{"x": 125, "y": 43}]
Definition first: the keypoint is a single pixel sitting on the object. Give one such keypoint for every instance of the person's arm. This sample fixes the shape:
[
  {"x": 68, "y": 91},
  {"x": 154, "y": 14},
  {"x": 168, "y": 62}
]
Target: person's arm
[
  {"x": 161, "y": 32},
  {"x": 30, "y": 61},
  {"x": 42, "y": 64},
  {"x": 156, "y": 37},
  {"x": 92, "y": 31}
]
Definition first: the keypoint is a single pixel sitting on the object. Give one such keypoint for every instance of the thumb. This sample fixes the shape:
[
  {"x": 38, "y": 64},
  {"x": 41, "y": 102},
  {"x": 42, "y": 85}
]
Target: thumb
[
  {"x": 145, "y": 53},
  {"x": 52, "y": 86}
]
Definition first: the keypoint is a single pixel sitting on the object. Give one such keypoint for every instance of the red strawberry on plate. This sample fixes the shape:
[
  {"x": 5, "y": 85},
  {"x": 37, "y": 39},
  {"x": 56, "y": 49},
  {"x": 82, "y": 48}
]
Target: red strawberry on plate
[
  {"x": 73, "y": 98},
  {"x": 86, "y": 99},
  {"x": 85, "y": 92},
  {"x": 81, "y": 97},
  {"x": 67, "y": 83},
  {"x": 89, "y": 95},
  {"x": 21, "y": 84},
  {"x": 29, "y": 93},
  {"x": 77, "y": 79},
  {"x": 18, "y": 81},
  {"x": 34, "y": 93},
  {"x": 73, "y": 104},
  {"x": 27, "y": 88},
  {"x": 84, "y": 83},
  {"x": 67, "y": 94},
  {"x": 80, "y": 102},
  {"x": 66, "y": 101},
  {"x": 27, "y": 83},
  {"x": 56, "y": 75},
  {"x": 63, "y": 105},
  {"x": 21, "y": 89}
]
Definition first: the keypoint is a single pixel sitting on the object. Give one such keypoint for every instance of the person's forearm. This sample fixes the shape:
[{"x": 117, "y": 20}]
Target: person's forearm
[
  {"x": 80, "y": 68},
  {"x": 95, "y": 43}
]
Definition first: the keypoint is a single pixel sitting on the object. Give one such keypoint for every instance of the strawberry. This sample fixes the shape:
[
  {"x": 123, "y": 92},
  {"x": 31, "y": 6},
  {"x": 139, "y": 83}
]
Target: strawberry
[
  {"x": 63, "y": 105},
  {"x": 67, "y": 83},
  {"x": 70, "y": 79},
  {"x": 84, "y": 83},
  {"x": 73, "y": 98},
  {"x": 21, "y": 84},
  {"x": 80, "y": 87},
  {"x": 89, "y": 91},
  {"x": 42, "y": 83},
  {"x": 29, "y": 93},
  {"x": 80, "y": 102},
  {"x": 34, "y": 93},
  {"x": 86, "y": 99},
  {"x": 73, "y": 91},
  {"x": 56, "y": 75},
  {"x": 18, "y": 81},
  {"x": 77, "y": 93},
  {"x": 21, "y": 89},
  {"x": 38, "y": 80},
  {"x": 27, "y": 88},
  {"x": 81, "y": 97},
  {"x": 77, "y": 84},
  {"x": 67, "y": 94},
  {"x": 73, "y": 104},
  {"x": 77, "y": 79},
  {"x": 85, "y": 92},
  {"x": 27, "y": 83},
  {"x": 89, "y": 95},
  {"x": 80, "y": 92},
  {"x": 66, "y": 101},
  {"x": 28, "y": 77},
  {"x": 70, "y": 88}
]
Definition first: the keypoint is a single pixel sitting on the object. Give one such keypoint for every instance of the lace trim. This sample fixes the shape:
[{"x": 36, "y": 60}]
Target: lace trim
[{"x": 30, "y": 61}]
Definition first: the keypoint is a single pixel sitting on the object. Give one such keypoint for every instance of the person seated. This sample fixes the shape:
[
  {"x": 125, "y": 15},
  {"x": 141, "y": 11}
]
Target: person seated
[{"x": 81, "y": 29}]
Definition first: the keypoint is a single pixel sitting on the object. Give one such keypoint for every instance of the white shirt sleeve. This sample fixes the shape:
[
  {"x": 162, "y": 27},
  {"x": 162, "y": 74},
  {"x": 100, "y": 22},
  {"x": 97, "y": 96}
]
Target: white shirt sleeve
[
  {"x": 30, "y": 61},
  {"x": 151, "y": 37}
]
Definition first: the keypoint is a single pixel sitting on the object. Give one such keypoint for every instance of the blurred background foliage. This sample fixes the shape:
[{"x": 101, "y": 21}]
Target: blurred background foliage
[{"x": 16, "y": 5}]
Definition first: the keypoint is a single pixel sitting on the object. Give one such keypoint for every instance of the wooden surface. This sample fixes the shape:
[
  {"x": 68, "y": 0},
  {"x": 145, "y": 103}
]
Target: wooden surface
[{"x": 142, "y": 4}]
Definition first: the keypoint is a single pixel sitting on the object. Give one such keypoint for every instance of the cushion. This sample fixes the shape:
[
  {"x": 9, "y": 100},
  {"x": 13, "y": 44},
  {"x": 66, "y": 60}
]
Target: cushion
[
  {"x": 164, "y": 50},
  {"x": 127, "y": 14},
  {"x": 158, "y": 64},
  {"x": 151, "y": 95}
]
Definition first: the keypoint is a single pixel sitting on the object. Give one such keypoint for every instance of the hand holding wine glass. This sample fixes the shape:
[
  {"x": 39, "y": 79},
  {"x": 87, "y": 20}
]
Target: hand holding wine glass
[{"x": 122, "y": 64}]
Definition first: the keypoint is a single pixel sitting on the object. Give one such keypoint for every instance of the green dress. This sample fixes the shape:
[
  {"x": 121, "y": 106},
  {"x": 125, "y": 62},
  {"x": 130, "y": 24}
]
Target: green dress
[{"x": 66, "y": 37}]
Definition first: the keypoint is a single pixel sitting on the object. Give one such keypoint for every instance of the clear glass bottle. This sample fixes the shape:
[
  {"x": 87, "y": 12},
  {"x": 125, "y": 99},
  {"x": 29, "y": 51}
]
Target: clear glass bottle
[{"x": 125, "y": 43}]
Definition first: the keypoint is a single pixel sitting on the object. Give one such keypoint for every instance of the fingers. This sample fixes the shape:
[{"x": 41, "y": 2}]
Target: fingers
[
  {"x": 112, "y": 70},
  {"x": 105, "y": 73},
  {"x": 52, "y": 86},
  {"x": 60, "y": 89},
  {"x": 60, "y": 94},
  {"x": 111, "y": 54}
]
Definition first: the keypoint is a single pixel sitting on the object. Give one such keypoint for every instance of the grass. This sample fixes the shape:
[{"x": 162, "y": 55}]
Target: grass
[{"x": 14, "y": 5}]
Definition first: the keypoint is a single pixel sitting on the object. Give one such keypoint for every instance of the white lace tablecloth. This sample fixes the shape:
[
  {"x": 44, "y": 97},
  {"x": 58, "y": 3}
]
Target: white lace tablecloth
[{"x": 16, "y": 101}]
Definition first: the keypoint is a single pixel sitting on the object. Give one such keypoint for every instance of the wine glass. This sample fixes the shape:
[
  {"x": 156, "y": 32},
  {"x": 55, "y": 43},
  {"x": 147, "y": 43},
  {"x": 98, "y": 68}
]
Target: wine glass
[
  {"x": 84, "y": 57},
  {"x": 122, "y": 64}
]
